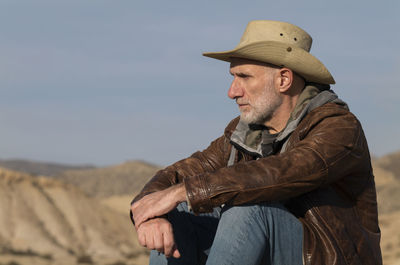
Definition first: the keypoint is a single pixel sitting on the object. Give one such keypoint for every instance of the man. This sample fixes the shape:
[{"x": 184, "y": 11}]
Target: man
[{"x": 289, "y": 182}]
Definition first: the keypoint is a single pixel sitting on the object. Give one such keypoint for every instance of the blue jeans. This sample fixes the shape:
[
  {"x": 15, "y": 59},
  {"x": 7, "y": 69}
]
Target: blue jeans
[{"x": 245, "y": 235}]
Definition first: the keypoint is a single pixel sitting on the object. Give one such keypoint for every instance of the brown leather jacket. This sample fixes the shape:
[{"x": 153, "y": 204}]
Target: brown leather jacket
[{"x": 324, "y": 178}]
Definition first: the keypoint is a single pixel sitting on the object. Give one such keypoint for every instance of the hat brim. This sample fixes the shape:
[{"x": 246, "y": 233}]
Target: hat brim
[{"x": 280, "y": 54}]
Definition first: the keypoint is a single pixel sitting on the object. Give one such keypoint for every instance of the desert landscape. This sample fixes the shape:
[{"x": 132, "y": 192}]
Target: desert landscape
[{"x": 62, "y": 214}]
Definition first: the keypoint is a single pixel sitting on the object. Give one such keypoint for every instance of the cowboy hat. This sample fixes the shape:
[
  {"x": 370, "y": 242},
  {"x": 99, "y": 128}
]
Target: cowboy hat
[{"x": 281, "y": 44}]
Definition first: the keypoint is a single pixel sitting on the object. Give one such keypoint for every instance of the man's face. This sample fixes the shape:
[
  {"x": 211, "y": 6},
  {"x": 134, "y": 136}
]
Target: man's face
[{"x": 254, "y": 90}]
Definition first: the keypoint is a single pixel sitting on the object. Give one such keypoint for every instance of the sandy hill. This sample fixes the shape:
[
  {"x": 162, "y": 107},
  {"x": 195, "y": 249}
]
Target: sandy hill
[
  {"x": 391, "y": 163},
  {"x": 39, "y": 168},
  {"x": 45, "y": 221},
  {"x": 387, "y": 178}
]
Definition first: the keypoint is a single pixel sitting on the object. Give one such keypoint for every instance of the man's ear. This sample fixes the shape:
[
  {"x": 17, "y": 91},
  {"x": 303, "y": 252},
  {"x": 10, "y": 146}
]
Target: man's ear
[{"x": 284, "y": 79}]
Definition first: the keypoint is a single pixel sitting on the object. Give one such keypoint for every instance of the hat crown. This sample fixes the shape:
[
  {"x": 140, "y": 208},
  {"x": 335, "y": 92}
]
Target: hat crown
[
  {"x": 281, "y": 44},
  {"x": 268, "y": 30}
]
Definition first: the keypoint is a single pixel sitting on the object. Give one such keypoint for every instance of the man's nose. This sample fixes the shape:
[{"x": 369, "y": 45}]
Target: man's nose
[{"x": 235, "y": 90}]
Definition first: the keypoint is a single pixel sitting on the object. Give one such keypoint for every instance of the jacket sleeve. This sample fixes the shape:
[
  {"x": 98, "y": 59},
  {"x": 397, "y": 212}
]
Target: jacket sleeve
[
  {"x": 215, "y": 156},
  {"x": 325, "y": 150}
]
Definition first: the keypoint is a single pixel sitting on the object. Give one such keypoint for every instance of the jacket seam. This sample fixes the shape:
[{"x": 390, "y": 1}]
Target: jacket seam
[{"x": 314, "y": 211}]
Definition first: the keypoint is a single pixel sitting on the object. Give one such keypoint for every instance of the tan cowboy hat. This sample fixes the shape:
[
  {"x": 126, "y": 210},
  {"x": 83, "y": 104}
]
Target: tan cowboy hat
[{"x": 281, "y": 44}]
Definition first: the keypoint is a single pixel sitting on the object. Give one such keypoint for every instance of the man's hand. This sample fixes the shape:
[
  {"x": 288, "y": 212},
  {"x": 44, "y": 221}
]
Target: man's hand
[
  {"x": 157, "y": 204},
  {"x": 157, "y": 234}
]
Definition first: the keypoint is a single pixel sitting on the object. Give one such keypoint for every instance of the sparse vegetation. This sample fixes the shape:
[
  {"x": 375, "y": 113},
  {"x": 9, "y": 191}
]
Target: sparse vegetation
[
  {"x": 28, "y": 252},
  {"x": 10, "y": 263},
  {"x": 13, "y": 263},
  {"x": 84, "y": 259},
  {"x": 118, "y": 263},
  {"x": 137, "y": 253}
]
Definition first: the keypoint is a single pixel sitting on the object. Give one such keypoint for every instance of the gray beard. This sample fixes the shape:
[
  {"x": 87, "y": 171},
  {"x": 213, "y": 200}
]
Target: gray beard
[{"x": 262, "y": 110}]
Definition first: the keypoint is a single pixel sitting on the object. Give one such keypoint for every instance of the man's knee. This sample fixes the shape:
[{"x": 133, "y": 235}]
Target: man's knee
[
  {"x": 254, "y": 210},
  {"x": 266, "y": 216}
]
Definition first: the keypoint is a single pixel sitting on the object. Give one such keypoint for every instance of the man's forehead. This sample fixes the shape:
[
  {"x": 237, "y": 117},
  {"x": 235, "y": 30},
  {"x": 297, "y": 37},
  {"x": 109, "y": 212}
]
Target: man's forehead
[
  {"x": 241, "y": 61},
  {"x": 236, "y": 61}
]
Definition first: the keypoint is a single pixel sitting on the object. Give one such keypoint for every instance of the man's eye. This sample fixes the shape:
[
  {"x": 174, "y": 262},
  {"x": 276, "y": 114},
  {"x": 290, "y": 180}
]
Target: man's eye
[{"x": 243, "y": 75}]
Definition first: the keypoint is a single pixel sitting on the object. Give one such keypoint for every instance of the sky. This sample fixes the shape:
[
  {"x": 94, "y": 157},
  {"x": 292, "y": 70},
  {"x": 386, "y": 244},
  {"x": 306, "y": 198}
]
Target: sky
[{"x": 103, "y": 82}]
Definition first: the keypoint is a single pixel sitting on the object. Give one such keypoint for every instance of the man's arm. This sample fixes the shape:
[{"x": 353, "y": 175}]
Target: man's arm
[{"x": 215, "y": 156}]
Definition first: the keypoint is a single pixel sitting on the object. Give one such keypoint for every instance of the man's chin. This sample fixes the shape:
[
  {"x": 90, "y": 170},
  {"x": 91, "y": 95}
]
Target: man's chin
[{"x": 248, "y": 118}]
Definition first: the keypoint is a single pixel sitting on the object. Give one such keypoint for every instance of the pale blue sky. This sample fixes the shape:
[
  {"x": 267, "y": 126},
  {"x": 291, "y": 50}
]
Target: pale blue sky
[{"x": 103, "y": 82}]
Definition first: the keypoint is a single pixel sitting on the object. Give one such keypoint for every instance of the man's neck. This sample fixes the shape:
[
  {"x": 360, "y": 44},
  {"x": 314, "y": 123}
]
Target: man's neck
[{"x": 281, "y": 116}]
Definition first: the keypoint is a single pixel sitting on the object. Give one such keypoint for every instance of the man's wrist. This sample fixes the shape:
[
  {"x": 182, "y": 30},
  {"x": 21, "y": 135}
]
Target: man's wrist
[
  {"x": 180, "y": 192},
  {"x": 164, "y": 216}
]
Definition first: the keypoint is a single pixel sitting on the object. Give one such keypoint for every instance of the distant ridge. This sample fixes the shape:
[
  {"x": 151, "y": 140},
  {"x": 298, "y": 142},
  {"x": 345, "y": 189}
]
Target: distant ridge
[
  {"x": 125, "y": 179},
  {"x": 39, "y": 168}
]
